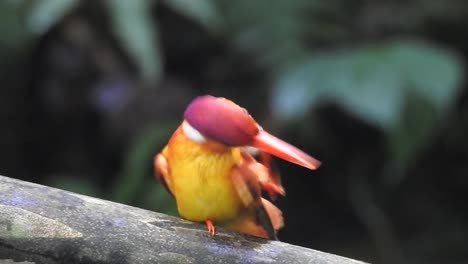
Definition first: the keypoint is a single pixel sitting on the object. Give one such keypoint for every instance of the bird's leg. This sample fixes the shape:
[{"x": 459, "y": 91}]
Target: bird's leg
[{"x": 210, "y": 226}]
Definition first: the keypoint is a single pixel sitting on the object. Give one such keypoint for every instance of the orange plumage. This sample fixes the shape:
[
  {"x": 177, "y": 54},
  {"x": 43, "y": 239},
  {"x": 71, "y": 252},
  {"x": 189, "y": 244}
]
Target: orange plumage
[{"x": 214, "y": 179}]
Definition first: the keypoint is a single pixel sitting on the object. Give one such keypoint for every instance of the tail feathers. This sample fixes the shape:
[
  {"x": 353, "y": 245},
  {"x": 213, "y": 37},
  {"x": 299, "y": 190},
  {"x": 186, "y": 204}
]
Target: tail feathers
[
  {"x": 274, "y": 213},
  {"x": 262, "y": 220}
]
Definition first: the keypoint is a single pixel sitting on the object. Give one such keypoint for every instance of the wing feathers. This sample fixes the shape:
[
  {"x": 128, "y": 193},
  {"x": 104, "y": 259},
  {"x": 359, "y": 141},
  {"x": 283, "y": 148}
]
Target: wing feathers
[
  {"x": 161, "y": 171},
  {"x": 262, "y": 218}
]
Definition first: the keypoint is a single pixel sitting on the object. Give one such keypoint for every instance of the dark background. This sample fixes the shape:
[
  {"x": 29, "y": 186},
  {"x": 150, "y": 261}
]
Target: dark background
[{"x": 91, "y": 91}]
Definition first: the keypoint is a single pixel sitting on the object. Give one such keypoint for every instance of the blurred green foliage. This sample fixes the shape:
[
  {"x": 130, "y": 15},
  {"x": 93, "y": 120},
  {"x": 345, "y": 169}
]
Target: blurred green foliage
[
  {"x": 404, "y": 87},
  {"x": 44, "y": 14},
  {"x": 278, "y": 34},
  {"x": 203, "y": 12},
  {"x": 371, "y": 82},
  {"x": 133, "y": 180},
  {"x": 13, "y": 32},
  {"x": 133, "y": 24}
]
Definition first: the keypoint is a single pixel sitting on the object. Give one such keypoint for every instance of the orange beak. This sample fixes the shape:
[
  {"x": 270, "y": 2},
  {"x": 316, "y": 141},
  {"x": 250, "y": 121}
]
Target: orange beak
[{"x": 281, "y": 149}]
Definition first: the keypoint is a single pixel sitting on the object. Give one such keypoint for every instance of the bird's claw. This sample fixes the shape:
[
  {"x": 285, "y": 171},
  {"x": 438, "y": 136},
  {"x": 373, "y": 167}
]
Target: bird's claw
[{"x": 210, "y": 226}]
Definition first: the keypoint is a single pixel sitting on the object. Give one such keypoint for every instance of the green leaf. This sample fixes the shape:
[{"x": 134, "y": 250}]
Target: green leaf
[
  {"x": 139, "y": 159},
  {"x": 413, "y": 132},
  {"x": 403, "y": 87},
  {"x": 371, "y": 82},
  {"x": 273, "y": 36},
  {"x": 201, "y": 11},
  {"x": 14, "y": 34},
  {"x": 134, "y": 26},
  {"x": 432, "y": 72},
  {"x": 45, "y": 13},
  {"x": 359, "y": 80}
]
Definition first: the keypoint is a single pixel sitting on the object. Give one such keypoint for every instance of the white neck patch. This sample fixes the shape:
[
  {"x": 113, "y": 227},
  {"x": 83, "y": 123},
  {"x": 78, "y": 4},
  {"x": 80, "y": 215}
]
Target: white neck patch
[
  {"x": 252, "y": 150},
  {"x": 191, "y": 133}
]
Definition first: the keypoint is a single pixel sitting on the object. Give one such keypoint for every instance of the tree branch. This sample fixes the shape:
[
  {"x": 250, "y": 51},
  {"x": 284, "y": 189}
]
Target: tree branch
[{"x": 41, "y": 224}]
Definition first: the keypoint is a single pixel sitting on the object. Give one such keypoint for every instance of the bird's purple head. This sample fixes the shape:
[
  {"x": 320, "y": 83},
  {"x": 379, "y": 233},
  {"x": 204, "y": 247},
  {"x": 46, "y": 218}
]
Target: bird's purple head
[{"x": 222, "y": 120}]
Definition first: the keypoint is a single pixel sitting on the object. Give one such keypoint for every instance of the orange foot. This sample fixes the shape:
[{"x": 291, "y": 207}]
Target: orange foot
[{"x": 210, "y": 226}]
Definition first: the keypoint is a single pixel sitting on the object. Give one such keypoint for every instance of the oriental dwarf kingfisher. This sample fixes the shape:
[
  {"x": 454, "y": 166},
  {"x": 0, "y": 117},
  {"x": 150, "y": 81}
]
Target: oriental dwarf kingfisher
[{"x": 210, "y": 169}]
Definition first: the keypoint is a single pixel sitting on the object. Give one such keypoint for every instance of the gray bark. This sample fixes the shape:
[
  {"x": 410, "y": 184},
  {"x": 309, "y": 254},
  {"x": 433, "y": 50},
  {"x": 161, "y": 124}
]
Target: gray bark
[{"x": 40, "y": 224}]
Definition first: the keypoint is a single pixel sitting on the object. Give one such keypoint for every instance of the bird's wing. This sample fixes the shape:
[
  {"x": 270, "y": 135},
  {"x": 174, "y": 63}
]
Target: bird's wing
[
  {"x": 161, "y": 170},
  {"x": 267, "y": 174},
  {"x": 261, "y": 218}
]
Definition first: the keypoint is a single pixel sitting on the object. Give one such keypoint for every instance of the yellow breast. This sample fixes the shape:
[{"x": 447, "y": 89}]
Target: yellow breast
[{"x": 200, "y": 179}]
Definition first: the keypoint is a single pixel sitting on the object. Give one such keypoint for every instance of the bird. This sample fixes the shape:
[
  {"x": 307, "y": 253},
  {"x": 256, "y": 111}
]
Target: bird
[{"x": 217, "y": 163}]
